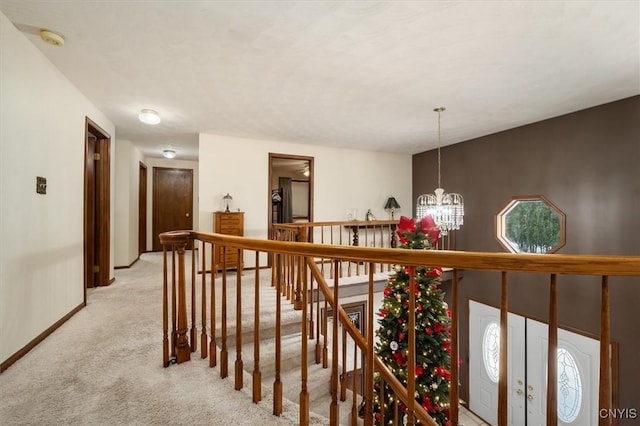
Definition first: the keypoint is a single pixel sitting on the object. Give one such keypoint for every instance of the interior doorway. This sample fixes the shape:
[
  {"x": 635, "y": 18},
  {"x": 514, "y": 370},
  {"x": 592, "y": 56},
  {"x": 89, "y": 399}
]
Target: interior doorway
[
  {"x": 97, "y": 207},
  {"x": 172, "y": 201},
  {"x": 290, "y": 195},
  {"x": 142, "y": 209}
]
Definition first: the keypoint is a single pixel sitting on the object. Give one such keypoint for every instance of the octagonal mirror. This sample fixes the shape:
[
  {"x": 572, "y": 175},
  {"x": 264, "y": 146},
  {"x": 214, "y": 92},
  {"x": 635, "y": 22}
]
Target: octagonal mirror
[{"x": 530, "y": 224}]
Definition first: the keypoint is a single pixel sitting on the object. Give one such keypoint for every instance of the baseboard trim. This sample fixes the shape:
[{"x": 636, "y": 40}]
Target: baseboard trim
[
  {"x": 32, "y": 344},
  {"x": 128, "y": 266}
]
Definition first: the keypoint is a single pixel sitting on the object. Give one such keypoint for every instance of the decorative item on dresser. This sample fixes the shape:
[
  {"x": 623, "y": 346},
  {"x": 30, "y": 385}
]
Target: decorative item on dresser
[{"x": 230, "y": 223}]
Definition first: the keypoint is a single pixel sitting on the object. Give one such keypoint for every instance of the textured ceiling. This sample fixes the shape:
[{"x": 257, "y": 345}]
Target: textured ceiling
[{"x": 356, "y": 74}]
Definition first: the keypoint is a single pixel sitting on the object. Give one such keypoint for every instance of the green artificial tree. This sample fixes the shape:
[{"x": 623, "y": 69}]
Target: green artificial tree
[{"x": 432, "y": 320}]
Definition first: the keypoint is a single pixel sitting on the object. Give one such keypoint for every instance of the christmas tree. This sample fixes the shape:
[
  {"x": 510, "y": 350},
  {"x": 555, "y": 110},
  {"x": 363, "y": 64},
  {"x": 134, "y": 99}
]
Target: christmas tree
[{"x": 432, "y": 319}]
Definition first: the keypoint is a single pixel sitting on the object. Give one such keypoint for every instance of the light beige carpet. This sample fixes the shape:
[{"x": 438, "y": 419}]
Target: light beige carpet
[{"x": 104, "y": 367}]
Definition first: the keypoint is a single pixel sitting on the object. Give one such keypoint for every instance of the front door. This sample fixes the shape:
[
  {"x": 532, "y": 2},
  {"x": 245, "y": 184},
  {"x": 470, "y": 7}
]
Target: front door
[
  {"x": 172, "y": 201},
  {"x": 484, "y": 358},
  {"x": 577, "y": 370},
  {"x": 578, "y": 376}
]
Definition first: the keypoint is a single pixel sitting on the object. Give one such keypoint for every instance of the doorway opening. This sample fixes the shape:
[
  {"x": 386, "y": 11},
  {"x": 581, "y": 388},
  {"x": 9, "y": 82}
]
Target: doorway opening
[
  {"x": 97, "y": 207},
  {"x": 142, "y": 210},
  {"x": 290, "y": 196}
]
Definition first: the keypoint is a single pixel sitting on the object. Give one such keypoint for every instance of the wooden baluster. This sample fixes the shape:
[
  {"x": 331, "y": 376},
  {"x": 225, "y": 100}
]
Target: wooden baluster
[
  {"x": 304, "y": 392},
  {"x": 331, "y": 271},
  {"x": 552, "y": 356},
  {"x": 174, "y": 302},
  {"x": 318, "y": 324},
  {"x": 503, "y": 375},
  {"x": 224, "y": 354},
  {"x": 383, "y": 387},
  {"x": 311, "y": 327},
  {"x": 395, "y": 411},
  {"x": 357, "y": 243},
  {"x": 239, "y": 365},
  {"x": 257, "y": 374},
  {"x": 194, "y": 330},
  {"x": 343, "y": 376},
  {"x": 334, "y": 413},
  {"x": 285, "y": 275},
  {"x": 277, "y": 384},
  {"x": 183, "y": 350},
  {"x": 213, "y": 350},
  {"x": 340, "y": 231},
  {"x": 325, "y": 349},
  {"x": 367, "y": 369},
  {"x": 604, "y": 395},
  {"x": 366, "y": 244},
  {"x": 411, "y": 355},
  {"x": 203, "y": 334},
  {"x": 297, "y": 304},
  {"x": 453, "y": 392},
  {"x": 382, "y": 244},
  {"x": 354, "y": 394},
  {"x": 291, "y": 274},
  {"x": 165, "y": 309}
]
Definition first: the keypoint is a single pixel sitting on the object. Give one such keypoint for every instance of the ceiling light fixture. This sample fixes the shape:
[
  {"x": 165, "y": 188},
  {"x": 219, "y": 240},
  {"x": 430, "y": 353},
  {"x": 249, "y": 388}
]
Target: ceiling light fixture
[
  {"x": 51, "y": 37},
  {"x": 447, "y": 210},
  {"x": 169, "y": 153},
  {"x": 149, "y": 116}
]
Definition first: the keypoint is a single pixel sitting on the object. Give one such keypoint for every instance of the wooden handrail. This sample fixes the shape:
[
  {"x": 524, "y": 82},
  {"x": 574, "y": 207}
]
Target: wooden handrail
[
  {"x": 289, "y": 277},
  {"x": 483, "y": 261}
]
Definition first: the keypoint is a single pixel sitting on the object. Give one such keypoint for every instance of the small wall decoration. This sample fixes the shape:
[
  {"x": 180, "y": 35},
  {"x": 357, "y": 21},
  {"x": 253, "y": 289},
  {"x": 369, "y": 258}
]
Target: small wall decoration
[{"x": 370, "y": 215}]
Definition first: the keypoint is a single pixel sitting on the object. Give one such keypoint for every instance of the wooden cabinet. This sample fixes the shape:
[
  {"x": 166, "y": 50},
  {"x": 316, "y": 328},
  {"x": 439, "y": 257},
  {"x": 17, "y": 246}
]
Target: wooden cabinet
[{"x": 230, "y": 223}]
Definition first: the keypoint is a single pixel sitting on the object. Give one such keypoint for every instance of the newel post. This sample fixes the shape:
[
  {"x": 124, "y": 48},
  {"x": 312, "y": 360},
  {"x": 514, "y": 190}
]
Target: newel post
[{"x": 178, "y": 240}]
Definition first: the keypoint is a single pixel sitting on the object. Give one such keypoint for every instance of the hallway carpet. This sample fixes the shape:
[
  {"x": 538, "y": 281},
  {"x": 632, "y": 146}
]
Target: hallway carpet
[{"x": 104, "y": 367}]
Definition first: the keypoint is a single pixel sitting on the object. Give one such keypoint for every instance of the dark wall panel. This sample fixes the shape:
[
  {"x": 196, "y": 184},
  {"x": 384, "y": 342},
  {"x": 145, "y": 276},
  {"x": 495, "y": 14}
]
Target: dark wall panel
[{"x": 588, "y": 164}]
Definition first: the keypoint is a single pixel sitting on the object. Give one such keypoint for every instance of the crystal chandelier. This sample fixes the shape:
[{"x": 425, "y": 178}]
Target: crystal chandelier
[{"x": 447, "y": 210}]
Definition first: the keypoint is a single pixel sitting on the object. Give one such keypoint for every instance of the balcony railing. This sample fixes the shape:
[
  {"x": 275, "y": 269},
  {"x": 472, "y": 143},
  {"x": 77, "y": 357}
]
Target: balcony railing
[{"x": 296, "y": 274}]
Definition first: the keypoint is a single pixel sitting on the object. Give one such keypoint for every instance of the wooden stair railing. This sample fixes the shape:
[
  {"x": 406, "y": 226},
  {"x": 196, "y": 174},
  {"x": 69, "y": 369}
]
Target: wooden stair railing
[{"x": 178, "y": 342}]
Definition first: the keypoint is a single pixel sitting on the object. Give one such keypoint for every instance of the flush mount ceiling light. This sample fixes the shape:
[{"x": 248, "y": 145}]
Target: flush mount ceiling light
[
  {"x": 169, "y": 153},
  {"x": 51, "y": 37},
  {"x": 149, "y": 116}
]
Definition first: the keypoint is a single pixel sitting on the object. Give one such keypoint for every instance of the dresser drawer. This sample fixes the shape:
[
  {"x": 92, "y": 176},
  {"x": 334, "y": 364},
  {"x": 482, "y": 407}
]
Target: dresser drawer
[
  {"x": 230, "y": 220},
  {"x": 230, "y": 230}
]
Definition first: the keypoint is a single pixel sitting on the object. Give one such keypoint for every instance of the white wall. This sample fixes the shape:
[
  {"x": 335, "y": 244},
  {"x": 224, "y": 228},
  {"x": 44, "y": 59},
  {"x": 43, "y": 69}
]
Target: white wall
[
  {"x": 42, "y": 120},
  {"x": 127, "y": 177},
  {"x": 343, "y": 179},
  {"x": 152, "y": 162}
]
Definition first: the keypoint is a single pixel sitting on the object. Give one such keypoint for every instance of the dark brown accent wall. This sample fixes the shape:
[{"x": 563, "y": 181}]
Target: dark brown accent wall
[{"x": 588, "y": 164}]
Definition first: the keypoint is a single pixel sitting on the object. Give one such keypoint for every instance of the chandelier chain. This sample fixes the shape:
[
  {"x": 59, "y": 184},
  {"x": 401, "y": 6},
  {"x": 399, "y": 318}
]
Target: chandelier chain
[{"x": 439, "y": 110}]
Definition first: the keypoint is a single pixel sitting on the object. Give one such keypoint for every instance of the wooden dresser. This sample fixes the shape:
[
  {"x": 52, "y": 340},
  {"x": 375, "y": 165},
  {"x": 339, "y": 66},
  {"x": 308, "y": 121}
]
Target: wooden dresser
[{"x": 230, "y": 223}]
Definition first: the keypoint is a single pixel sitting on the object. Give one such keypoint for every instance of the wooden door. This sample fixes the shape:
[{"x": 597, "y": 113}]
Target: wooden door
[
  {"x": 172, "y": 201},
  {"x": 142, "y": 210},
  {"x": 90, "y": 211},
  {"x": 96, "y": 206}
]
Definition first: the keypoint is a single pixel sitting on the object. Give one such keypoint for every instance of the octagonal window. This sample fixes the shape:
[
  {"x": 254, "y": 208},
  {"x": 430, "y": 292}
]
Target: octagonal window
[{"x": 530, "y": 224}]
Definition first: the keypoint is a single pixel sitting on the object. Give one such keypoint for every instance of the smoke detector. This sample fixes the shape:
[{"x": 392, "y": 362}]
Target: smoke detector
[{"x": 52, "y": 37}]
